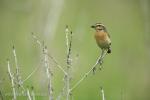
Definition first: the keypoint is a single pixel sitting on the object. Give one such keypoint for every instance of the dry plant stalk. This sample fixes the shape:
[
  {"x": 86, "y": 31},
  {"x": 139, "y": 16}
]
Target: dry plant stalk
[
  {"x": 102, "y": 93},
  {"x": 18, "y": 79},
  {"x": 30, "y": 74},
  {"x": 28, "y": 94},
  {"x": 93, "y": 68},
  {"x": 99, "y": 61},
  {"x": 11, "y": 76},
  {"x": 32, "y": 93},
  {"x": 68, "y": 61},
  {"x": 49, "y": 73},
  {"x": 17, "y": 67},
  {"x": 48, "y": 54},
  {"x": 67, "y": 72}
]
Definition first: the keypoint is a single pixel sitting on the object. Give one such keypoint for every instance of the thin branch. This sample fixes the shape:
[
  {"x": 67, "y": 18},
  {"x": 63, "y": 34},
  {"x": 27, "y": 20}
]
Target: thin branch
[
  {"x": 18, "y": 76},
  {"x": 57, "y": 64},
  {"x": 16, "y": 62},
  {"x": 99, "y": 61},
  {"x": 30, "y": 74},
  {"x": 49, "y": 55},
  {"x": 12, "y": 81},
  {"x": 102, "y": 93},
  {"x": 32, "y": 93},
  {"x": 68, "y": 61},
  {"x": 28, "y": 94},
  {"x": 49, "y": 73},
  {"x": 67, "y": 39},
  {"x": 69, "y": 52}
]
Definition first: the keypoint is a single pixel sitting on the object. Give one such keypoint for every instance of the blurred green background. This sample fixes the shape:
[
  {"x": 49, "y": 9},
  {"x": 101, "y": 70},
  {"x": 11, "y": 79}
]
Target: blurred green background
[{"x": 126, "y": 71}]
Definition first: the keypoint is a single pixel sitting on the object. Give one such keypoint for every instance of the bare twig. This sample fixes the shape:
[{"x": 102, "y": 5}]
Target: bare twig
[
  {"x": 67, "y": 39},
  {"x": 18, "y": 76},
  {"x": 12, "y": 81},
  {"x": 68, "y": 61},
  {"x": 49, "y": 55},
  {"x": 46, "y": 55},
  {"x": 68, "y": 88},
  {"x": 32, "y": 93},
  {"x": 57, "y": 64},
  {"x": 49, "y": 73},
  {"x": 16, "y": 62},
  {"x": 102, "y": 93},
  {"x": 28, "y": 94},
  {"x": 69, "y": 52},
  {"x": 99, "y": 61},
  {"x": 30, "y": 74}
]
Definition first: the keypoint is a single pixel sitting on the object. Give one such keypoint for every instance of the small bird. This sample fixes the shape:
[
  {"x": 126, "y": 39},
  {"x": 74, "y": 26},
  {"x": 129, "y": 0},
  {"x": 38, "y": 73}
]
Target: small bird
[{"x": 102, "y": 37}]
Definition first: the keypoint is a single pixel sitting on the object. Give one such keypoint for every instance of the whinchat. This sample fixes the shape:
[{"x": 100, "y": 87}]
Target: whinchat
[{"x": 102, "y": 37}]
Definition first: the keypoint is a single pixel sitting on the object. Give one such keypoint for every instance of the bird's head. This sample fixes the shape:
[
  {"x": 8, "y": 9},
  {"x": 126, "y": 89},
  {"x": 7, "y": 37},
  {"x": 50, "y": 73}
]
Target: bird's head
[{"x": 99, "y": 27}]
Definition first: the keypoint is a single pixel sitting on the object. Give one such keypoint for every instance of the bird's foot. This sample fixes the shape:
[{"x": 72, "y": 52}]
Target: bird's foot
[
  {"x": 100, "y": 62},
  {"x": 100, "y": 65},
  {"x": 94, "y": 70}
]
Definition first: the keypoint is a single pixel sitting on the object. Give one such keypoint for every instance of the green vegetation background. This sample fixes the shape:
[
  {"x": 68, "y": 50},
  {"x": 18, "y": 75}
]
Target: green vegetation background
[{"x": 126, "y": 71}]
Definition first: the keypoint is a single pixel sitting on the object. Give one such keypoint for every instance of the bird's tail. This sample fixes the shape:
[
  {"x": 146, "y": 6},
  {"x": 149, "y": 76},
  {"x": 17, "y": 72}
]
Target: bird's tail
[{"x": 109, "y": 50}]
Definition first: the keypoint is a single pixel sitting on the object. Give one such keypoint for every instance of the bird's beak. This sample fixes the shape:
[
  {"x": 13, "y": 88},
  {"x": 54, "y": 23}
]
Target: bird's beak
[{"x": 92, "y": 26}]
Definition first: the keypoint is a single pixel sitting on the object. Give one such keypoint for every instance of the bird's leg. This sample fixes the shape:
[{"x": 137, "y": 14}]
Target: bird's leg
[
  {"x": 101, "y": 58},
  {"x": 94, "y": 70}
]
